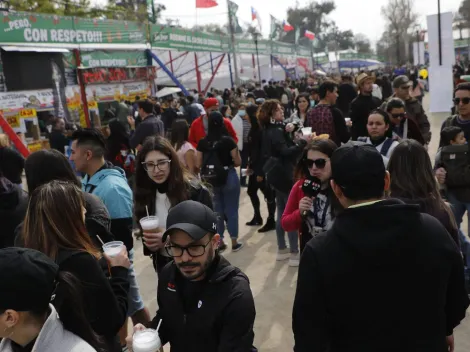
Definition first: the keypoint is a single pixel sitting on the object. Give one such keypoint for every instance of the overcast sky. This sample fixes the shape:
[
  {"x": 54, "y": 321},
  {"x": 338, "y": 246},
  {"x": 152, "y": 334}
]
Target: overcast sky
[{"x": 362, "y": 16}]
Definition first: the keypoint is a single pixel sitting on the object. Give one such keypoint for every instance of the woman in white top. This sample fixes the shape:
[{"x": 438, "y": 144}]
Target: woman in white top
[
  {"x": 378, "y": 125},
  {"x": 161, "y": 182},
  {"x": 185, "y": 150}
]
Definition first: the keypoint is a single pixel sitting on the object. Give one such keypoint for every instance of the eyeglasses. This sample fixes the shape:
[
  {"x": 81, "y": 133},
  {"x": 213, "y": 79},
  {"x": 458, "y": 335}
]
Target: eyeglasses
[
  {"x": 162, "y": 165},
  {"x": 319, "y": 163},
  {"x": 464, "y": 101},
  {"x": 399, "y": 116},
  {"x": 193, "y": 251}
]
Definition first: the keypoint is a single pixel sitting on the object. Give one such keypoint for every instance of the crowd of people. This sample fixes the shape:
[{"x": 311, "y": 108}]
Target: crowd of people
[{"x": 343, "y": 168}]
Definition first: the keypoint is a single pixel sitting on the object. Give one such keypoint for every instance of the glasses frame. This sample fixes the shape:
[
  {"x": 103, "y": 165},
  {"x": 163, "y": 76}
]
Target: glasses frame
[
  {"x": 186, "y": 249},
  {"x": 314, "y": 162},
  {"x": 167, "y": 161},
  {"x": 458, "y": 100},
  {"x": 399, "y": 116}
]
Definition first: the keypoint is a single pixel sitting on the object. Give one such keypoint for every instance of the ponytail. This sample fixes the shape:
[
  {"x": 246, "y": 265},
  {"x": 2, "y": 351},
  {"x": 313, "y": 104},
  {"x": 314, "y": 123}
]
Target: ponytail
[{"x": 69, "y": 303}]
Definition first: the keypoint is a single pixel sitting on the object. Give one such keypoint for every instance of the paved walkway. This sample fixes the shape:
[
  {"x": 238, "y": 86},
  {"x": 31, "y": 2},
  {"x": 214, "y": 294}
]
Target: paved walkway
[{"x": 273, "y": 283}]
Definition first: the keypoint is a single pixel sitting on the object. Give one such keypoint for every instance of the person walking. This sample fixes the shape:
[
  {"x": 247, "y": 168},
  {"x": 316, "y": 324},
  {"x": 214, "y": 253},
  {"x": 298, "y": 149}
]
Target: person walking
[
  {"x": 123, "y": 112},
  {"x": 180, "y": 141},
  {"x": 241, "y": 125},
  {"x": 311, "y": 216},
  {"x": 151, "y": 125},
  {"x": 324, "y": 118},
  {"x": 161, "y": 183},
  {"x": 204, "y": 303},
  {"x": 217, "y": 158},
  {"x": 29, "y": 282},
  {"x": 57, "y": 138},
  {"x": 281, "y": 154},
  {"x": 257, "y": 179},
  {"x": 394, "y": 244},
  {"x": 60, "y": 233},
  {"x": 301, "y": 108},
  {"x": 363, "y": 105},
  {"x": 347, "y": 93},
  {"x": 11, "y": 161},
  {"x": 118, "y": 149},
  {"x": 109, "y": 183}
]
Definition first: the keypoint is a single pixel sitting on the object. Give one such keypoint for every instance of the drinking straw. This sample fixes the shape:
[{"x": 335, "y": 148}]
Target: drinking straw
[
  {"x": 100, "y": 240},
  {"x": 159, "y": 323},
  {"x": 147, "y": 209}
]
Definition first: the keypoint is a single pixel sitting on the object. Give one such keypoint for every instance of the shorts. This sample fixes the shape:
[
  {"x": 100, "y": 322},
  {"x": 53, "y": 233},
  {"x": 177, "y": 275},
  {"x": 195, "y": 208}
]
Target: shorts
[{"x": 134, "y": 299}]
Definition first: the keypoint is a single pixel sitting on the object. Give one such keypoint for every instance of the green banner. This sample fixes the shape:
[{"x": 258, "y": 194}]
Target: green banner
[
  {"x": 181, "y": 39},
  {"x": 22, "y": 28},
  {"x": 107, "y": 58}
]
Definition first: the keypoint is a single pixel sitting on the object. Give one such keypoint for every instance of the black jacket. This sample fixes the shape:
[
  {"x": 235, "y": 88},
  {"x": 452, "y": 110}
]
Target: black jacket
[
  {"x": 58, "y": 141},
  {"x": 150, "y": 126},
  {"x": 11, "y": 164},
  {"x": 346, "y": 94},
  {"x": 384, "y": 278},
  {"x": 361, "y": 107},
  {"x": 13, "y": 205},
  {"x": 217, "y": 317},
  {"x": 255, "y": 159}
]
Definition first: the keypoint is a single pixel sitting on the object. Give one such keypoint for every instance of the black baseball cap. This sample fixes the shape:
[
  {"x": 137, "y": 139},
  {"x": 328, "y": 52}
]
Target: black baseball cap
[
  {"x": 401, "y": 81},
  {"x": 194, "y": 218},
  {"x": 359, "y": 170},
  {"x": 27, "y": 279}
]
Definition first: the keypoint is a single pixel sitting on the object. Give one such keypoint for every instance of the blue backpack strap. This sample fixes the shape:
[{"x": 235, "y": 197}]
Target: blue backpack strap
[{"x": 386, "y": 147}]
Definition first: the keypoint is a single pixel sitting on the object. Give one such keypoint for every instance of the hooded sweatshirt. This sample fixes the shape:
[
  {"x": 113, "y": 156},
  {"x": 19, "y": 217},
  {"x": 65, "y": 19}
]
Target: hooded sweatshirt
[
  {"x": 53, "y": 337},
  {"x": 13, "y": 205},
  {"x": 110, "y": 185},
  {"x": 384, "y": 277}
]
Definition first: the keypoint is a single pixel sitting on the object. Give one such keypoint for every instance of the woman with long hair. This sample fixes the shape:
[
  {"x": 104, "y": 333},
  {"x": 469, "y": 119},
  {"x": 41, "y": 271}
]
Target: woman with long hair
[
  {"x": 161, "y": 182},
  {"x": 311, "y": 216},
  {"x": 30, "y": 283},
  {"x": 59, "y": 232},
  {"x": 256, "y": 180},
  {"x": 11, "y": 162},
  {"x": 118, "y": 149},
  {"x": 226, "y": 111},
  {"x": 219, "y": 148},
  {"x": 185, "y": 150},
  {"x": 302, "y": 105},
  {"x": 378, "y": 126},
  {"x": 413, "y": 181},
  {"x": 45, "y": 166},
  {"x": 281, "y": 154}
]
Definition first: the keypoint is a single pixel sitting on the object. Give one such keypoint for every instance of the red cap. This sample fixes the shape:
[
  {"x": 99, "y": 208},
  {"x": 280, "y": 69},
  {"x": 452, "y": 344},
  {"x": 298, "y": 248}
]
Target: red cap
[{"x": 210, "y": 102}]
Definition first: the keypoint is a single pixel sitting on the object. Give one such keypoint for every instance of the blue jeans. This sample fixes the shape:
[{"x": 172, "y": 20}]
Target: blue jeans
[
  {"x": 134, "y": 299},
  {"x": 226, "y": 204},
  {"x": 459, "y": 208},
  {"x": 281, "y": 201}
]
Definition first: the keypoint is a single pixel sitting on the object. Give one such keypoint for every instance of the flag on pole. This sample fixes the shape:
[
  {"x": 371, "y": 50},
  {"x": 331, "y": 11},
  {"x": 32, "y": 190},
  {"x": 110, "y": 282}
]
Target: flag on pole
[
  {"x": 309, "y": 35},
  {"x": 232, "y": 12},
  {"x": 297, "y": 35},
  {"x": 276, "y": 27},
  {"x": 204, "y": 4},
  {"x": 151, "y": 11},
  {"x": 254, "y": 14},
  {"x": 287, "y": 27}
]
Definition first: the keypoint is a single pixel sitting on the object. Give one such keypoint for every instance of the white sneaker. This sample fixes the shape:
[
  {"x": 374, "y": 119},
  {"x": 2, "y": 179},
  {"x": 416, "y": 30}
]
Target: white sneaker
[
  {"x": 283, "y": 254},
  {"x": 294, "y": 259}
]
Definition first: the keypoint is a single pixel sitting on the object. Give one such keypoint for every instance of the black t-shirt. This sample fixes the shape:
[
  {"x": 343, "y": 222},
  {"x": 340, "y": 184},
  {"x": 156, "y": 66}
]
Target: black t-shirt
[
  {"x": 17, "y": 348},
  {"x": 224, "y": 148}
]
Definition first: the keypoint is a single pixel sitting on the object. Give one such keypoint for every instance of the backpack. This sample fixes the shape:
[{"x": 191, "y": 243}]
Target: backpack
[
  {"x": 212, "y": 170},
  {"x": 320, "y": 118},
  {"x": 387, "y": 144},
  {"x": 455, "y": 158}
]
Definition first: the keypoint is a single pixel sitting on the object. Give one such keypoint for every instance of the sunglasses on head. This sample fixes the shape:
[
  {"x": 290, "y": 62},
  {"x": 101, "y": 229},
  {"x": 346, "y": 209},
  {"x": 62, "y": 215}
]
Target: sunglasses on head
[
  {"x": 464, "y": 101},
  {"x": 319, "y": 163},
  {"x": 399, "y": 116}
]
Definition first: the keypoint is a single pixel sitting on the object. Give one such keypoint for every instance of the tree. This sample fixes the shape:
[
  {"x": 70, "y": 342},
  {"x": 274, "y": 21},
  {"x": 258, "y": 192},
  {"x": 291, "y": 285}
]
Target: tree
[
  {"x": 362, "y": 44},
  {"x": 464, "y": 12},
  {"x": 400, "y": 18}
]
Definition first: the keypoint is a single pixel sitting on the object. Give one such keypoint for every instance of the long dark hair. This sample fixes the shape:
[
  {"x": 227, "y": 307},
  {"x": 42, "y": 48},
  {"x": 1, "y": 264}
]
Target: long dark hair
[
  {"x": 145, "y": 189},
  {"x": 252, "y": 111},
  {"x": 325, "y": 146},
  {"x": 305, "y": 96},
  {"x": 412, "y": 176},
  {"x": 216, "y": 126},
  {"x": 179, "y": 133},
  {"x": 45, "y": 166},
  {"x": 119, "y": 133}
]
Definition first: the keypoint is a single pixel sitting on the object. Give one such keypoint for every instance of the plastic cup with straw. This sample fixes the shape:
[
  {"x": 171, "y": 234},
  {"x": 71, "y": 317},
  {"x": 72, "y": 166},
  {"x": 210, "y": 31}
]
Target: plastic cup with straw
[{"x": 147, "y": 340}]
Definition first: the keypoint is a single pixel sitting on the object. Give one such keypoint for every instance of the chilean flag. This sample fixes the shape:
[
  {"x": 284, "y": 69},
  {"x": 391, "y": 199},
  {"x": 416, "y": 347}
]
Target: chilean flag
[
  {"x": 254, "y": 14},
  {"x": 309, "y": 35},
  {"x": 204, "y": 4},
  {"x": 287, "y": 27}
]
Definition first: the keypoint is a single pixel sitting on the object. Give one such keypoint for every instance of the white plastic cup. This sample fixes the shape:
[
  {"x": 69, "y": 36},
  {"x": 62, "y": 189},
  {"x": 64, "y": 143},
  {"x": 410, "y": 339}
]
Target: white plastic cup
[
  {"x": 146, "y": 341},
  {"x": 113, "y": 248},
  {"x": 307, "y": 131},
  {"x": 347, "y": 119},
  {"x": 243, "y": 173},
  {"x": 149, "y": 224}
]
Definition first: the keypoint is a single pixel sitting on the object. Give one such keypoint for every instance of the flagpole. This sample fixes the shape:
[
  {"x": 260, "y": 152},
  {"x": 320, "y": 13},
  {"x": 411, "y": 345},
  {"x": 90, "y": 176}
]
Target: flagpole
[{"x": 232, "y": 39}]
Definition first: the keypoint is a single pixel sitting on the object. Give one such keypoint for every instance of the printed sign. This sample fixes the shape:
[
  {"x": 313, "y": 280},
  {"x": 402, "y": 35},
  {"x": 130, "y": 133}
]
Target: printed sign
[
  {"x": 27, "y": 113},
  {"x": 13, "y": 121},
  {"x": 40, "y": 100}
]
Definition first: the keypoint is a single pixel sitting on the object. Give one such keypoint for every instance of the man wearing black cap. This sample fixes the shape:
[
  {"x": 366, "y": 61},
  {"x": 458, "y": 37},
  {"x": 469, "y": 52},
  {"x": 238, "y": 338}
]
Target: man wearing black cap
[
  {"x": 205, "y": 303},
  {"x": 384, "y": 278}
]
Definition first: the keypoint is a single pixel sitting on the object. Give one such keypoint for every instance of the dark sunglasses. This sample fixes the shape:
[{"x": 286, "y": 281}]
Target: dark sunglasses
[
  {"x": 464, "y": 101},
  {"x": 319, "y": 163},
  {"x": 399, "y": 116}
]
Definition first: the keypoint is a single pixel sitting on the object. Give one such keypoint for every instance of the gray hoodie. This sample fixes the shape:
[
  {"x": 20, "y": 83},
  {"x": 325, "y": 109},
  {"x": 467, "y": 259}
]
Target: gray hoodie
[{"x": 53, "y": 337}]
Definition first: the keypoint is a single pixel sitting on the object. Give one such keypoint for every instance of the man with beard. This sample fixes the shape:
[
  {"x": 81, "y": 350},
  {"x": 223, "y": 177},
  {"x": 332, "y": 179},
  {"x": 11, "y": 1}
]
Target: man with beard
[
  {"x": 363, "y": 105},
  {"x": 205, "y": 304}
]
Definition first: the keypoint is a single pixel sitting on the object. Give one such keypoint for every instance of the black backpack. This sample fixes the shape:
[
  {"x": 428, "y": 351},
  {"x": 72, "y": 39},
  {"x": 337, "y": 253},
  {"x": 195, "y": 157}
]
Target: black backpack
[{"x": 212, "y": 170}]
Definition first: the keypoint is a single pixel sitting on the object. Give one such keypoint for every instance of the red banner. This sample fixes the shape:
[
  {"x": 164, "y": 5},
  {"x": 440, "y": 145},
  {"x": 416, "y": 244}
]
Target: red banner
[{"x": 118, "y": 74}]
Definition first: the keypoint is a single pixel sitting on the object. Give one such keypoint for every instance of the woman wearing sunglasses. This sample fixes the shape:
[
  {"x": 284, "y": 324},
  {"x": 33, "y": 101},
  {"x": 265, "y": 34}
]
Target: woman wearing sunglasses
[
  {"x": 307, "y": 215},
  {"x": 161, "y": 182},
  {"x": 402, "y": 127},
  {"x": 378, "y": 124}
]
